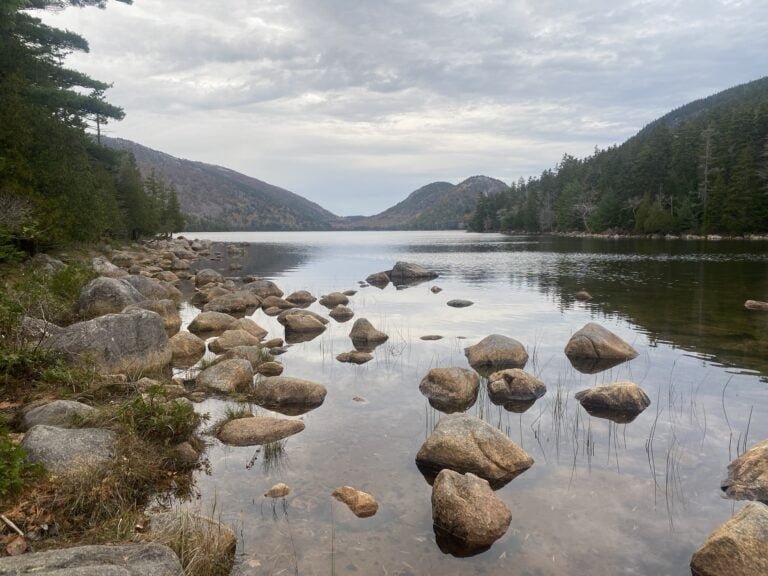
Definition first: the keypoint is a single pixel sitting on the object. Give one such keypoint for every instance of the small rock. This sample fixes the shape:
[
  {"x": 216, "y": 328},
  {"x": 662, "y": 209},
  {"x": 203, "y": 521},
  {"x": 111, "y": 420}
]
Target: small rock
[
  {"x": 355, "y": 357},
  {"x": 432, "y": 337},
  {"x": 257, "y": 430},
  {"x": 185, "y": 454},
  {"x": 270, "y": 369},
  {"x": 298, "y": 321},
  {"x": 187, "y": 349},
  {"x": 254, "y": 354},
  {"x": 748, "y": 475},
  {"x": 459, "y": 303},
  {"x": 208, "y": 276},
  {"x": 279, "y": 490},
  {"x": 284, "y": 391},
  {"x": 582, "y": 296},
  {"x": 210, "y": 322},
  {"x": 106, "y": 296},
  {"x": 276, "y": 302},
  {"x": 450, "y": 389},
  {"x": 233, "y": 302},
  {"x": 409, "y": 271},
  {"x": 301, "y": 297},
  {"x": 341, "y": 313},
  {"x": 496, "y": 351},
  {"x": 334, "y": 299},
  {"x": 363, "y": 331},
  {"x": 514, "y": 385},
  {"x": 231, "y": 339},
  {"x": 349, "y": 292},
  {"x": 226, "y": 376},
  {"x": 595, "y": 341},
  {"x": 263, "y": 288},
  {"x": 379, "y": 279},
  {"x": 360, "y": 503},
  {"x": 620, "y": 401},
  {"x": 436, "y": 289},
  {"x": 165, "y": 308}
]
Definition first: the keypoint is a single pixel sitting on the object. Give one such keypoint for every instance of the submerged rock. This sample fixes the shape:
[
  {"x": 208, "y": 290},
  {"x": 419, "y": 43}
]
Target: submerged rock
[
  {"x": 450, "y": 389},
  {"x": 459, "y": 303},
  {"x": 59, "y": 413},
  {"x": 435, "y": 289},
  {"x": 467, "y": 444},
  {"x": 514, "y": 385},
  {"x": 496, "y": 351},
  {"x": 226, "y": 376},
  {"x": 737, "y": 548},
  {"x": 362, "y": 504},
  {"x": 63, "y": 449},
  {"x": 582, "y": 296},
  {"x": 355, "y": 357},
  {"x": 620, "y": 401},
  {"x": 748, "y": 475},
  {"x": 595, "y": 341},
  {"x": 256, "y": 430},
  {"x": 431, "y": 337},
  {"x": 301, "y": 297},
  {"x": 465, "y": 507}
]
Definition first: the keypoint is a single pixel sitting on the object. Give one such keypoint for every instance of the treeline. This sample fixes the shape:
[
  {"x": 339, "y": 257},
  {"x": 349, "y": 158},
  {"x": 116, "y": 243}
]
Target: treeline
[
  {"x": 701, "y": 169},
  {"x": 57, "y": 183}
]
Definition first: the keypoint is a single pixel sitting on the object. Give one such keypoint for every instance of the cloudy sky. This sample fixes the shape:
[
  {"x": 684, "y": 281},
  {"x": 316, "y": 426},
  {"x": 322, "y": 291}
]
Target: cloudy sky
[{"x": 355, "y": 103}]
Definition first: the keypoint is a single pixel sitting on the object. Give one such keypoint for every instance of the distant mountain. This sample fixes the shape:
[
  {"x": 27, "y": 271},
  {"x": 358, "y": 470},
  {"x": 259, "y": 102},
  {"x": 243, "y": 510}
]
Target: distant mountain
[
  {"x": 216, "y": 198},
  {"x": 436, "y": 206}
]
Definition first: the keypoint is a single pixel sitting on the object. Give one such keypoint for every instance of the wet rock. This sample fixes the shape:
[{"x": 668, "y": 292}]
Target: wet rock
[
  {"x": 514, "y": 385},
  {"x": 301, "y": 297},
  {"x": 737, "y": 548},
  {"x": 187, "y": 526},
  {"x": 104, "y": 267},
  {"x": 226, "y": 376},
  {"x": 59, "y": 413},
  {"x": 364, "y": 332},
  {"x": 149, "y": 559},
  {"x": 106, "y": 296},
  {"x": 249, "y": 326},
  {"x": 459, "y": 303},
  {"x": 620, "y": 401},
  {"x": 210, "y": 322},
  {"x": 128, "y": 343},
  {"x": 595, "y": 341},
  {"x": 298, "y": 320},
  {"x": 270, "y": 369},
  {"x": 594, "y": 365},
  {"x": 276, "y": 302},
  {"x": 582, "y": 296},
  {"x": 256, "y": 430},
  {"x": 406, "y": 271},
  {"x": 465, "y": 507},
  {"x": 436, "y": 289},
  {"x": 748, "y": 475},
  {"x": 208, "y": 276},
  {"x": 341, "y": 313},
  {"x": 333, "y": 299},
  {"x": 233, "y": 302},
  {"x": 379, "y": 279},
  {"x": 264, "y": 288},
  {"x": 284, "y": 391},
  {"x": 497, "y": 351},
  {"x": 355, "y": 357},
  {"x": 467, "y": 444},
  {"x": 756, "y": 305},
  {"x": 187, "y": 349},
  {"x": 63, "y": 449},
  {"x": 256, "y": 355},
  {"x": 279, "y": 490},
  {"x": 232, "y": 338},
  {"x": 362, "y": 504},
  {"x": 166, "y": 309},
  {"x": 430, "y": 337},
  {"x": 450, "y": 389}
]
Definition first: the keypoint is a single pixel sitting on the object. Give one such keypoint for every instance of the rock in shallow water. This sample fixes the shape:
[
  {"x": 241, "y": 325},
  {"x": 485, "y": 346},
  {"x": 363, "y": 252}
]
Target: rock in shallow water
[
  {"x": 619, "y": 401},
  {"x": 514, "y": 385},
  {"x": 226, "y": 376},
  {"x": 282, "y": 390},
  {"x": 232, "y": 339},
  {"x": 279, "y": 490},
  {"x": 595, "y": 341},
  {"x": 362, "y": 504},
  {"x": 355, "y": 357},
  {"x": 496, "y": 351},
  {"x": 364, "y": 332},
  {"x": 459, "y": 303},
  {"x": 450, "y": 389},
  {"x": 257, "y": 430},
  {"x": 210, "y": 322},
  {"x": 748, "y": 475}
]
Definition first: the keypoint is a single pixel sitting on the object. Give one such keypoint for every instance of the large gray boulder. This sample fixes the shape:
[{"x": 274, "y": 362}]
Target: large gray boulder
[
  {"x": 226, "y": 376},
  {"x": 59, "y": 413},
  {"x": 106, "y": 296},
  {"x": 128, "y": 343},
  {"x": 283, "y": 391},
  {"x": 496, "y": 352},
  {"x": 210, "y": 322},
  {"x": 450, "y": 389},
  {"x": 748, "y": 475},
  {"x": 256, "y": 430},
  {"x": 149, "y": 559},
  {"x": 466, "y": 509},
  {"x": 407, "y": 271},
  {"x": 737, "y": 548},
  {"x": 153, "y": 289},
  {"x": 467, "y": 444},
  {"x": 165, "y": 308},
  {"x": 619, "y": 401},
  {"x": 595, "y": 341},
  {"x": 64, "y": 449},
  {"x": 514, "y": 385}
]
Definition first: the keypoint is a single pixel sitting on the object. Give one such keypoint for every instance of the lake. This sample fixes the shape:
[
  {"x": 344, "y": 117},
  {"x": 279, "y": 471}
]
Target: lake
[{"x": 602, "y": 498}]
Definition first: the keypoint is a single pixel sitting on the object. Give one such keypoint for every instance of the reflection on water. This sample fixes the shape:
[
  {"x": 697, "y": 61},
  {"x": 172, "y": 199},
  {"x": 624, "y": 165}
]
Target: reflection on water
[{"x": 603, "y": 497}]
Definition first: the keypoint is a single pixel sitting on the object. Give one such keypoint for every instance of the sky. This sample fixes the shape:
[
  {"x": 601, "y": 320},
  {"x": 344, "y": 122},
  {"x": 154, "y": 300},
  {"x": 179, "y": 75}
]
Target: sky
[{"x": 356, "y": 103}]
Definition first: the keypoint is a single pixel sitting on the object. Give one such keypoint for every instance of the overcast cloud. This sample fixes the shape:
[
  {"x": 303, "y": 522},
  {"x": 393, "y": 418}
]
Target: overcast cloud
[{"x": 355, "y": 103}]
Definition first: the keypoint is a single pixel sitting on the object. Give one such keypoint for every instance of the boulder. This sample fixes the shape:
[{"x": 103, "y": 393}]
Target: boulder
[
  {"x": 277, "y": 391},
  {"x": 264, "y": 288},
  {"x": 737, "y": 548},
  {"x": 166, "y": 276},
  {"x": 465, "y": 508},
  {"x": 104, "y": 267},
  {"x": 270, "y": 368},
  {"x": 341, "y": 313},
  {"x": 619, "y": 401},
  {"x": 379, "y": 279},
  {"x": 256, "y": 355},
  {"x": 210, "y": 322},
  {"x": 355, "y": 357},
  {"x": 62, "y": 449},
  {"x": 300, "y": 297},
  {"x": 361, "y": 504},
  {"x": 298, "y": 320},
  {"x": 208, "y": 276},
  {"x": 450, "y": 389},
  {"x": 276, "y": 302},
  {"x": 349, "y": 292},
  {"x": 226, "y": 376},
  {"x": 239, "y": 301},
  {"x": 186, "y": 349},
  {"x": 364, "y": 332},
  {"x": 406, "y": 271},
  {"x": 106, "y": 296},
  {"x": 179, "y": 265},
  {"x": 273, "y": 311},
  {"x": 467, "y": 444},
  {"x": 249, "y": 326},
  {"x": 595, "y": 341},
  {"x": 756, "y": 305},
  {"x": 59, "y": 413},
  {"x": 166, "y": 309},
  {"x": 256, "y": 430},
  {"x": 431, "y": 337},
  {"x": 209, "y": 292},
  {"x": 333, "y": 299},
  {"x": 748, "y": 475},
  {"x": 148, "y": 559},
  {"x": 279, "y": 490},
  {"x": 497, "y": 351},
  {"x": 127, "y": 343},
  {"x": 514, "y": 385},
  {"x": 459, "y": 303},
  {"x": 153, "y": 289}
]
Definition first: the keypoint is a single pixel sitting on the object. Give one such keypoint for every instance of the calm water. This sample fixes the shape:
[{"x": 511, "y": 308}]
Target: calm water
[{"x": 602, "y": 498}]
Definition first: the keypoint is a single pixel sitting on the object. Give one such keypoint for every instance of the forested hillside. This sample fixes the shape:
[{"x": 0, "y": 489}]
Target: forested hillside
[
  {"x": 57, "y": 183},
  {"x": 702, "y": 168}
]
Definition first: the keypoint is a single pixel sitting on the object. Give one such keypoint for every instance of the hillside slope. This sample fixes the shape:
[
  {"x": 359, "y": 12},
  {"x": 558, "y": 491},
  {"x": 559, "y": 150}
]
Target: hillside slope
[{"x": 213, "y": 197}]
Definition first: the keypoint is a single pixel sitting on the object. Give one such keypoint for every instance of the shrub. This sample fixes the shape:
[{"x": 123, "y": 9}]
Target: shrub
[{"x": 155, "y": 419}]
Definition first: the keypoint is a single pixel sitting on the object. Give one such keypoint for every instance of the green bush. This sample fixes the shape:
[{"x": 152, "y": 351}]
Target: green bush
[
  {"x": 155, "y": 419},
  {"x": 12, "y": 465}
]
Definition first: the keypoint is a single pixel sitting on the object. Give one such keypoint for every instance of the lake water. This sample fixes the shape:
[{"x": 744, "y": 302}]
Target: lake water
[{"x": 602, "y": 498}]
